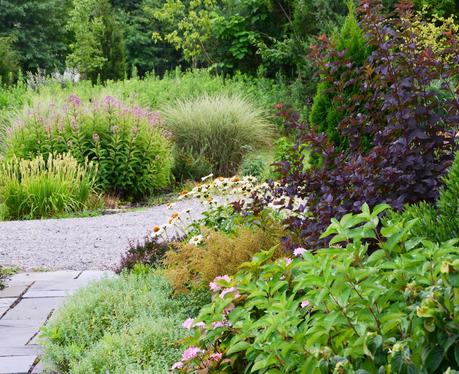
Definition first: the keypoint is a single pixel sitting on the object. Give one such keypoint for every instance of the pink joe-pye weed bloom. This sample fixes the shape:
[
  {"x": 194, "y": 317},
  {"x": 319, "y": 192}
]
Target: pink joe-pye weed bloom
[
  {"x": 225, "y": 277},
  {"x": 218, "y": 324},
  {"x": 190, "y": 353},
  {"x": 214, "y": 286}
]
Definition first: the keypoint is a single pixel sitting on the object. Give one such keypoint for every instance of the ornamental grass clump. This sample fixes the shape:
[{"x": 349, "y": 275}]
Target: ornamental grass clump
[
  {"x": 212, "y": 133},
  {"x": 45, "y": 187},
  {"x": 127, "y": 143}
]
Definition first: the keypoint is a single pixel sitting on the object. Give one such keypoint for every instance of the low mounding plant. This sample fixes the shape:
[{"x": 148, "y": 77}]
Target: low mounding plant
[
  {"x": 341, "y": 310},
  {"x": 128, "y": 324},
  {"x": 149, "y": 252},
  {"x": 127, "y": 143},
  {"x": 45, "y": 187},
  {"x": 216, "y": 131},
  {"x": 399, "y": 127}
]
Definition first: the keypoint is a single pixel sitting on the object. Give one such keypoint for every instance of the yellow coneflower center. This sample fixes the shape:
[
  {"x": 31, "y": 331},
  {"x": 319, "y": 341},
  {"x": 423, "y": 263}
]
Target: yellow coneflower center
[{"x": 156, "y": 228}]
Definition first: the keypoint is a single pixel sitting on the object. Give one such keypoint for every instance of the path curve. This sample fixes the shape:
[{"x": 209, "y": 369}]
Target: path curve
[{"x": 94, "y": 243}]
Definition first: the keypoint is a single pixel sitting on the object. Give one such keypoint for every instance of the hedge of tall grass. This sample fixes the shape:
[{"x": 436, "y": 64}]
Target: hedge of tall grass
[
  {"x": 44, "y": 187},
  {"x": 127, "y": 142},
  {"x": 154, "y": 91},
  {"x": 212, "y": 133}
]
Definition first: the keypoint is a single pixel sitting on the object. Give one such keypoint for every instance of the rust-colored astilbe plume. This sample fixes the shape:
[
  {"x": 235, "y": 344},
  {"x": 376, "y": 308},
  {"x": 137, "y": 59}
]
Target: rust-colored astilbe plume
[{"x": 194, "y": 266}]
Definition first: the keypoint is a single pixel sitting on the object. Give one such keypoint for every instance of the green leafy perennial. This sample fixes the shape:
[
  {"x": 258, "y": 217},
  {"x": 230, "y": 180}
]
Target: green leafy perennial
[{"x": 349, "y": 308}]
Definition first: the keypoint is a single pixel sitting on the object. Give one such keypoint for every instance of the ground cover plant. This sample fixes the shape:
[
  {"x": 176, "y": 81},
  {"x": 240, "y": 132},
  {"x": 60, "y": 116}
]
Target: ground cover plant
[
  {"x": 345, "y": 309},
  {"x": 44, "y": 187},
  {"x": 127, "y": 143},
  {"x": 3, "y": 275},
  {"x": 125, "y": 324}
]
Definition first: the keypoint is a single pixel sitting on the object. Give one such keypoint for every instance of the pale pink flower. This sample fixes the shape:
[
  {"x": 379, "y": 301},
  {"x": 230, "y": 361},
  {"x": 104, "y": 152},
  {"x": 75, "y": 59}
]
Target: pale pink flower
[
  {"x": 223, "y": 277},
  {"x": 228, "y": 309},
  {"x": 218, "y": 324},
  {"x": 214, "y": 287},
  {"x": 188, "y": 324},
  {"x": 216, "y": 357},
  {"x": 304, "y": 304},
  {"x": 177, "y": 365},
  {"x": 227, "y": 291},
  {"x": 299, "y": 251},
  {"x": 199, "y": 324},
  {"x": 288, "y": 261},
  {"x": 74, "y": 100},
  {"x": 191, "y": 353}
]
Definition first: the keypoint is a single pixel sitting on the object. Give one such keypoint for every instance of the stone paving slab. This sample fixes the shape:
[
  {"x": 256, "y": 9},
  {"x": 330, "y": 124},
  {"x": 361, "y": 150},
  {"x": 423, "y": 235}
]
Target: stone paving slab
[
  {"x": 5, "y": 304},
  {"x": 34, "y": 309},
  {"x": 28, "y": 350},
  {"x": 25, "y": 306},
  {"x": 16, "y": 364},
  {"x": 37, "y": 293},
  {"x": 15, "y": 290},
  {"x": 53, "y": 276},
  {"x": 16, "y": 333}
]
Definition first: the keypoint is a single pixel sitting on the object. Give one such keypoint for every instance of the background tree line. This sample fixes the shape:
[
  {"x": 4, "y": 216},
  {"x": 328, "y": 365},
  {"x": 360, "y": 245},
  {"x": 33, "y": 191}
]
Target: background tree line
[{"x": 111, "y": 39}]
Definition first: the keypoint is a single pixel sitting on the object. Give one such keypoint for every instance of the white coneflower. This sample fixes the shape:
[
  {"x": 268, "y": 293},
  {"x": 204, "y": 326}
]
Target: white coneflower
[
  {"x": 174, "y": 218},
  {"x": 196, "y": 240},
  {"x": 156, "y": 231}
]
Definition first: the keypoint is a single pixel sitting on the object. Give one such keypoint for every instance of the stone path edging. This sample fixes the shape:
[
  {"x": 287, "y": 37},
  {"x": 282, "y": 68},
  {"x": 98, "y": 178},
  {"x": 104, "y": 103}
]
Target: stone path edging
[{"x": 27, "y": 304}]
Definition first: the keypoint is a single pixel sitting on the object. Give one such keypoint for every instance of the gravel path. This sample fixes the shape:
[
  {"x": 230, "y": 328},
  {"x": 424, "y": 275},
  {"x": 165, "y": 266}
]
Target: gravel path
[{"x": 94, "y": 243}]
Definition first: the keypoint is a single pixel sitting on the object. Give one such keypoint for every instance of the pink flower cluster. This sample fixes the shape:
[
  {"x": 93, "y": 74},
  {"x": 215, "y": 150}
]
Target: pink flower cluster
[
  {"x": 189, "y": 324},
  {"x": 215, "y": 286},
  {"x": 299, "y": 252},
  {"x": 189, "y": 354},
  {"x": 228, "y": 291}
]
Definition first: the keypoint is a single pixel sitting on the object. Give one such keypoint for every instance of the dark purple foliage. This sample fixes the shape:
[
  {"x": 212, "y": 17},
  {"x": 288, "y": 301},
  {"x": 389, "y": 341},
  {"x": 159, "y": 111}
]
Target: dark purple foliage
[
  {"x": 400, "y": 127},
  {"x": 150, "y": 252}
]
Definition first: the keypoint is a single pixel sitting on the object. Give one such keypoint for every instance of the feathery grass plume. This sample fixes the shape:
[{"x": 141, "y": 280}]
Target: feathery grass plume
[{"x": 218, "y": 130}]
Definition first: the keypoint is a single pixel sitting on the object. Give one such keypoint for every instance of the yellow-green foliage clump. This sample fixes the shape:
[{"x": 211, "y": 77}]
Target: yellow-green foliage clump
[
  {"x": 192, "y": 266},
  {"x": 44, "y": 187},
  {"x": 434, "y": 34}
]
